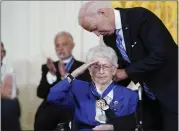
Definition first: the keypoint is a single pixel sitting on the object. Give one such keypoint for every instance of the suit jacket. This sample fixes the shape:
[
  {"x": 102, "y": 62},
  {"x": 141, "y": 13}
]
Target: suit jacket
[
  {"x": 78, "y": 95},
  {"x": 44, "y": 87},
  {"x": 152, "y": 52}
]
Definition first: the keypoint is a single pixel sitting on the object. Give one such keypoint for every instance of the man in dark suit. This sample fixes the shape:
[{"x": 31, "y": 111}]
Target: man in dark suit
[
  {"x": 49, "y": 115},
  {"x": 146, "y": 53}
]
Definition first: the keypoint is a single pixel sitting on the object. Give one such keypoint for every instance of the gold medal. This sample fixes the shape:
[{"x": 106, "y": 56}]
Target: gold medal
[{"x": 100, "y": 103}]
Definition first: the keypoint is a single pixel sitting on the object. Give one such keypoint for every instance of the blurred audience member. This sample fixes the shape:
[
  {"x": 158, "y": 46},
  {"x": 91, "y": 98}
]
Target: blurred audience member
[
  {"x": 48, "y": 116},
  {"x": 10, "y": 107}
]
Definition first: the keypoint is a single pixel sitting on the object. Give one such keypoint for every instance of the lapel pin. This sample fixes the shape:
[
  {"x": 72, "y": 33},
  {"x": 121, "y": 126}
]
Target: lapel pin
[{"x": 115, "y": 104}]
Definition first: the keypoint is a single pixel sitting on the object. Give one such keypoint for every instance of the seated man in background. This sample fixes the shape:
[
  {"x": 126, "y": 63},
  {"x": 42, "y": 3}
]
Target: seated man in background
[
  {"x": 100, "y": 104},
  {"x": 49, "y": 115},
  {"x": 10, "y": 107}
]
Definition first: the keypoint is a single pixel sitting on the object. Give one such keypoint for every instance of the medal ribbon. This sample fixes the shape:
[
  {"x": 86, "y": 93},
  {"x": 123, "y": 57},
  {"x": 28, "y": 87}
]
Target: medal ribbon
[
  {"x": 69, "y": 65},
  {"x": 109, "y": 113},
  {"x": 108, "y": 89}
]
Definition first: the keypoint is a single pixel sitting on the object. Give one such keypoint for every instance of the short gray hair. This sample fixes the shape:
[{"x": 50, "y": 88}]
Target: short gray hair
[
  {"x": 90, "y": 8},
  {"x": 62, "y": 33},
  {"x": 102, "y": 51}
]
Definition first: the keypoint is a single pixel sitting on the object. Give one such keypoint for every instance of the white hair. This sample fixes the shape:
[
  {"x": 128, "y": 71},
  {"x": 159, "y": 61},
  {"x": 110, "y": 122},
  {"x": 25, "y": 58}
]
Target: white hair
[
  {"x": 104, "y": 52},
  {"x": 62, "y": 33},
  {"x": 90, "y": 8}
]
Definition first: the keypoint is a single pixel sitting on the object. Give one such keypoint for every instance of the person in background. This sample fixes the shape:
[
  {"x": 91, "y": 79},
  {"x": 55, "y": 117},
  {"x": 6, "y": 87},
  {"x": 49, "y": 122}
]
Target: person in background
[
  {"x": 49, "y": 115},
  {"x": 100, "y": 104},
  {"x": 10, "y": 106},
  {"x": 146, "y": 53}
]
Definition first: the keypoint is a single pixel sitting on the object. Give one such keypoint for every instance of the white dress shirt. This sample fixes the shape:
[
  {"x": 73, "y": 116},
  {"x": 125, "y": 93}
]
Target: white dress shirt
[
  {"x": 6, "y": 70},
  {"x": 118, "y": 25},
  {"x": 52, "y": 78}
]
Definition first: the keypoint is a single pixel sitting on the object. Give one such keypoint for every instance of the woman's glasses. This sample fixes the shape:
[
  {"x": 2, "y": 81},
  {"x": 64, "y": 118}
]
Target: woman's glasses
[{"x": 104, "y": 67}]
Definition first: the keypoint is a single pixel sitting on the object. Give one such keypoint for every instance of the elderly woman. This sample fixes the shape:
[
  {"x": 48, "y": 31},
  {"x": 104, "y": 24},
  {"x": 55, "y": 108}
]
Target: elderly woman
[{"x": 96, "y": 104}]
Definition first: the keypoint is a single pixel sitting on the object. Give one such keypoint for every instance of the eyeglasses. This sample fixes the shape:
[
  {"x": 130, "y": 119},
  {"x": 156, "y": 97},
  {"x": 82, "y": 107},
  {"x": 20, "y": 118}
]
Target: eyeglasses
[{"x": 104, "y": 67}]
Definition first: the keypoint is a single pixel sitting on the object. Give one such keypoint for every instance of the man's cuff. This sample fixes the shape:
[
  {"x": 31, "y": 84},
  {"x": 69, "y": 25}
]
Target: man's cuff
[{"x": 51, "y": 78}]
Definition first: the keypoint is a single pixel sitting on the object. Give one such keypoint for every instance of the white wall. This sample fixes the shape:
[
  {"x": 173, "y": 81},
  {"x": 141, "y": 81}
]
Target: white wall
[{"x": 28, "y": 29}]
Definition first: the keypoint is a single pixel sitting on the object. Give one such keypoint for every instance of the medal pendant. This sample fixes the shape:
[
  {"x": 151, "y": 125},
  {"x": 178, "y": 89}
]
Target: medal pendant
[
  {"x": 102, "y": 117},
  {"x": 100, "y": 103}
]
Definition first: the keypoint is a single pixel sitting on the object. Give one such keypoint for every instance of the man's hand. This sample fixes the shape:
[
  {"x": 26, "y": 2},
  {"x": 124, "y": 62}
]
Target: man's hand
[
  {"x": 61, "y": 68},
  {"x": 6, "y": 86},
  {"x": 120, "y": 75},
  {"x": 104, "y": 127},
  {"x": 51, "y": 66},
  {"x": 82, "y": 68}
]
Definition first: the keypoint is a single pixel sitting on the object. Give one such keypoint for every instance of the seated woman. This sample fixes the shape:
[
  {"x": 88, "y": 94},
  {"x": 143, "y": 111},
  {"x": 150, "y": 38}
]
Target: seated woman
[{"x": 99, "y": 104}]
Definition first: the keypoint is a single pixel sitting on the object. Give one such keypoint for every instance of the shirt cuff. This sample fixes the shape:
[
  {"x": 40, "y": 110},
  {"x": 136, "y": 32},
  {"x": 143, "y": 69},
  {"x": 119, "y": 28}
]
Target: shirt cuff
[{"x": 51, "y": 78}]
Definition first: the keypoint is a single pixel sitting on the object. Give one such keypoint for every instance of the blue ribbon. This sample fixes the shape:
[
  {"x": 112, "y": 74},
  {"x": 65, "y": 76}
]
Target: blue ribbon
[
  {"x": 69, "y": 65},
  {"x": 108, "y": 89}
]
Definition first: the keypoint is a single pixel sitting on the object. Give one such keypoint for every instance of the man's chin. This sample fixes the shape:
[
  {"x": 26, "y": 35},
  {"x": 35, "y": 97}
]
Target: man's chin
[
  {"x": 108, "y": 34},
  {"x": 61, "y": 57}
]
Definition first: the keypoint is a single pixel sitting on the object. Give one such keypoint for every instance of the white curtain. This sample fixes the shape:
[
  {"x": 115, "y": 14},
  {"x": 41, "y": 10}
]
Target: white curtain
[{"x": 27, "y": 31}]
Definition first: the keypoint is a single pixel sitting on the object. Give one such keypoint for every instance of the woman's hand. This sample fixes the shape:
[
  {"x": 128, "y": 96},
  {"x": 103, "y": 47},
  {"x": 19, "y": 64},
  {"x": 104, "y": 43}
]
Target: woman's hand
[
  {"x": 104, "y": 127},
  {"x": 82, "y": 68}
]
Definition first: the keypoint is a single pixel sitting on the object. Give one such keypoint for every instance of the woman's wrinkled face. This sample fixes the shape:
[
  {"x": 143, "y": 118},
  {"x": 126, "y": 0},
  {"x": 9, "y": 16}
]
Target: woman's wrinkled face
[{"x": 103, "y": 71}]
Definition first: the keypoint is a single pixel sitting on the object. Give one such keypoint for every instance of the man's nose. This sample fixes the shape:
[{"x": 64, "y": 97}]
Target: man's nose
[{"x": 60, "y": 48}]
